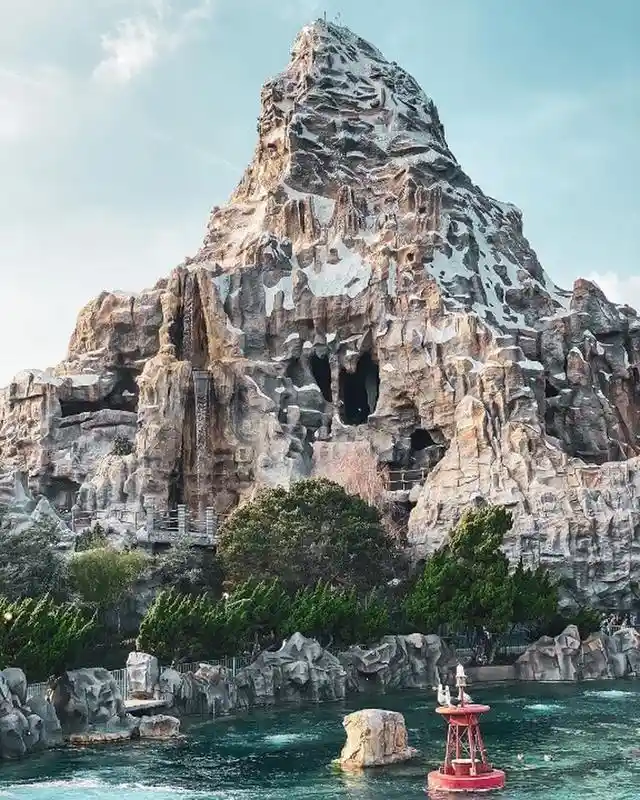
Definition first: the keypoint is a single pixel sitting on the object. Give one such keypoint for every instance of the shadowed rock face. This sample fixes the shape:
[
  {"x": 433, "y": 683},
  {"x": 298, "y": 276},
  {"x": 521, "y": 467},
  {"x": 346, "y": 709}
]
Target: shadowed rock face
[{"x": 357, "y": 287}]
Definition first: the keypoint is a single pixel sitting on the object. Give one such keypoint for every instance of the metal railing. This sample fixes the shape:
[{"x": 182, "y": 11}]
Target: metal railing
[{"x": 402, "y": 479}]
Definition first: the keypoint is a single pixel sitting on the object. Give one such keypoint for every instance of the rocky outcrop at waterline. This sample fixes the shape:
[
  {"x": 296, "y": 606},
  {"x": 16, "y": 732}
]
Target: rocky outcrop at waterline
[
  {"x": 375, "y": 738},
  {"x": 357, "y": 289},
  {"x": 27, "y": 724},
  {"x": 567, "y": 658}
]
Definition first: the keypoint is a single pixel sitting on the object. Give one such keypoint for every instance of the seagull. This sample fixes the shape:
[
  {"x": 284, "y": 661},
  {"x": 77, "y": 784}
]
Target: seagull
[
  {"x": 447, "y": 696},
  {"x": 466, "y": 697},
  {"x": 442, "y": 698},
  {"x": 547, "y": 758}
]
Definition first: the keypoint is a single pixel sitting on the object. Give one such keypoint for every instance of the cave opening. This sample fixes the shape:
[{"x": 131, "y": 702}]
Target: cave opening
[
  {"x": 123, "y": 397},
  {"x": 321, "y": 372},
  {"x": 550, "y": 390},
  {"x": 359, "y": 391},
  {"x": 296, "y": 372},
  {"x": 176, "y": 485},
  {"x": 421, "y": 439},
  {"x": 62, "y": 492}
]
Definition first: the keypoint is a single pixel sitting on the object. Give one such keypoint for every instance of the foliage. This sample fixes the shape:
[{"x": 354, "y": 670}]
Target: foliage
[
  {"x": 466, "y": 583},
  {"x": 535, "y": 597},
  {"x": 122, "y": 446},
  {"x": 189, "y": 570},
  {"x": 91, "y": 538},
  {"x": 587, "y": 620},
  {"x": 324, "y": 612},
  {"x": 312, "y": 532},
  {"x": 184, "y": 627},
  {"x": 41, "y": 636},
  {"x": 102, "y": 577},
  {"x": 30, "y": 565}
]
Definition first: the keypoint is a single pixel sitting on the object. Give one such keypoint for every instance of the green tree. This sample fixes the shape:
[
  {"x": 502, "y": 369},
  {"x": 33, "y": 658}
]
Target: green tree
[
  {"x": 43, "y": 637},
  {"x": 103, "y": 577},
  {"x": 535, "y": 598},
  {"x": 312, "y": 532},
  {"x": 466, "y": 584},
  {"x": 30, "y": 565},
  {"x": 189, "y": 570}
]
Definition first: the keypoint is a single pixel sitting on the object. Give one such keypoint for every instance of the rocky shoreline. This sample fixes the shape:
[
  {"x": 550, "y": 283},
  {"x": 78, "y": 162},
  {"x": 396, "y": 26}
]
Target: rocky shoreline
[{"x": 86, "y": 705}]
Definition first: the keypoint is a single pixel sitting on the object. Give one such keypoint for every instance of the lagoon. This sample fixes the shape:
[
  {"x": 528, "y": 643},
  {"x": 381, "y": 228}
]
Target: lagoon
[{"x": 589, "y": 731}]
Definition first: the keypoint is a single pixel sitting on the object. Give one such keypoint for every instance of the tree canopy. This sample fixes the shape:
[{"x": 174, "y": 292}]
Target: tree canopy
[
  {"x": 312, "y": 532},
  {"x": 467, "y": 583}
]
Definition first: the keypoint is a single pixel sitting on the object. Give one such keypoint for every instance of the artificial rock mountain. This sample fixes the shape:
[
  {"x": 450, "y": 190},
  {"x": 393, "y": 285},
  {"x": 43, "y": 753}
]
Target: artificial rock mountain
[{"x": 357, "y": 291}]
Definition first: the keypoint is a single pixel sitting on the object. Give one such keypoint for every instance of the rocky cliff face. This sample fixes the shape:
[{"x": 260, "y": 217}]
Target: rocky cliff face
[{"x": 357, "y": 287}]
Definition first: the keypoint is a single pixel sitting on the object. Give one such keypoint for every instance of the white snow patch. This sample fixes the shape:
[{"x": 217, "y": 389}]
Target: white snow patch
[
  {"x": 285, "y": 285},
  {"x": 350, "y": 275}
]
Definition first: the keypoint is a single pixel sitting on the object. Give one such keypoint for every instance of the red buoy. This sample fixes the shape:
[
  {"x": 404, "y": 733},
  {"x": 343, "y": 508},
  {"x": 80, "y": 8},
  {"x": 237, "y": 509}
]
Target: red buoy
[{"x": 465, "y": 767}]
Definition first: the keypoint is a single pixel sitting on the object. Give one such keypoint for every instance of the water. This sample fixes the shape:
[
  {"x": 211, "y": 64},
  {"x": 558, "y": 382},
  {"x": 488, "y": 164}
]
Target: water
[{"x": 588, "y": 732}]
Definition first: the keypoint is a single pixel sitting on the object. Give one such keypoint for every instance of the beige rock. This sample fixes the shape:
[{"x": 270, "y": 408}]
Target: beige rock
[
  {"x": 160, "y": 726},
  {"x": 375, "y": 738}
]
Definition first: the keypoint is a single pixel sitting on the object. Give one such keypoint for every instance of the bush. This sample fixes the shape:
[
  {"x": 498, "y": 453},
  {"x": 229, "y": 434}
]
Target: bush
[
  {"x": 43, "y": 637},
  {"x": 30, "y": 566},
  {"x": 312, "y": 532},
  {"x": 189, "y": 570},
  {"x": 102, "y": 577}
]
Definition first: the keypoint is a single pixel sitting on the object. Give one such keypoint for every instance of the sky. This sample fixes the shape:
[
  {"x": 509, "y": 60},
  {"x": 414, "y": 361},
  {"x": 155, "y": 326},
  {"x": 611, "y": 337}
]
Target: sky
[{"x": 122, "y": 122}]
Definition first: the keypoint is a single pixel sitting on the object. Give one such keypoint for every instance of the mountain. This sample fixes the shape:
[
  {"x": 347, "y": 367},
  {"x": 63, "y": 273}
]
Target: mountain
[{"x": 358, "y": 293}]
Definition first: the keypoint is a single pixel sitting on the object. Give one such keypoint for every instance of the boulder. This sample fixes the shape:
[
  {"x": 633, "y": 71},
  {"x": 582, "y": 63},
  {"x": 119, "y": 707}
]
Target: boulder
[
  {"x": 143, "y": 673},
  {"x": 84, "y": 698},
  {"x": 160, "y": 726},
  {"x": 51, "y": 733},
  {"x": 300, "y": 670},
  {"x": 15, "y": 734},
  {"x": 416, "y": 661},
  {"x": 17, "y": 682},
  {"x": 566, "y": 658},
  {"x": 375, "y": 738}
]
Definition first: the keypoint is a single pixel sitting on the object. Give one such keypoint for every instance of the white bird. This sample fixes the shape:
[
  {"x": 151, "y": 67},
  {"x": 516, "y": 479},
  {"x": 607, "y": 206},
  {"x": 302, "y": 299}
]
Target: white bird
[
  {"x": 447, "y": 696},
  {"x": 466, "y": 697},
  {"x": 442, "y": 698},
  {"x": 520, "y": 757},
  {"x": 547, "y": 758}
]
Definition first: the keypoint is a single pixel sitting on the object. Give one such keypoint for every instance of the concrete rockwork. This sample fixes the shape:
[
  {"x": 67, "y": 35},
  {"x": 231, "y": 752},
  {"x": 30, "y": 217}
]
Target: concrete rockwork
[{"x": 399, "y": 310}]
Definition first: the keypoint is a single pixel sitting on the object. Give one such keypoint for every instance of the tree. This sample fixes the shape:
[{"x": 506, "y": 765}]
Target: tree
[
  {"x": 190, "y": 570},
  {"x": 312, "y": 532},
  {"x": 466, "y": 584},
  {"x": 102, "y": 577},
  {"x": 30, "y": 565},
  {"x": 43, "y": 637},
  {"x": 535, "y": 598}
]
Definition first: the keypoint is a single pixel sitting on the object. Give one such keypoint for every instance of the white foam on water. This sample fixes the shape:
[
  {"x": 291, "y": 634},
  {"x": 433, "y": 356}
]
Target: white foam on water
[
  {"x": 544, "y": 707},
  {"x": 90, "y": 788},
  {"x": 609, "y": 693},
  {"x": 279, "y": 739}
]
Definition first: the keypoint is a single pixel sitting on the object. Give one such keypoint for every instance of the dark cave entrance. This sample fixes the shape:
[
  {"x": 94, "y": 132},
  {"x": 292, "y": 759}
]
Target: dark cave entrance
[
  {"x": 123, "y": 397},
  {"x": 550, "y": 390},
  {"x": 420, "y": 440},
  {"x": 62, "y": 492},
  {"x": 321, "y": 372},
  {"x": 359, "y": 391}
]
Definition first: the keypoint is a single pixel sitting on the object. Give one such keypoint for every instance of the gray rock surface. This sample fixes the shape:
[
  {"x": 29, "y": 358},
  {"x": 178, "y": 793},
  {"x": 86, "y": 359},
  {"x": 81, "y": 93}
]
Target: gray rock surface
[
  {"x": 210, "y": 689},
  {"x": 300, "y": 670},
  {"x": 415, "y": 661},
  {"x": 566, "y": 658},
  {"x": 85, "y": 698},
  {"x": 357, "y": 287},
  {"x": 143, "y": 673},
  {"x": 26, "y": 725},
  {"x": 160, "y": 726}
]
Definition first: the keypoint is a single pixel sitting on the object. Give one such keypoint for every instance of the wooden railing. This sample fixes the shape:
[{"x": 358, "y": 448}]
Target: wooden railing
[{"x": 402, "y": 479}]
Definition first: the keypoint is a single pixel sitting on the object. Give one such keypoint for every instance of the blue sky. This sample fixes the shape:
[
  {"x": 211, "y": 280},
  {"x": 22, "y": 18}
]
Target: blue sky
[{"x": 123, "y": 121}]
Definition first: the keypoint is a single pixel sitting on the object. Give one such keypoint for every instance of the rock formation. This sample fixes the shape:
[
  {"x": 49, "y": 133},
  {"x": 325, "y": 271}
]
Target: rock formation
[
  {"x": 375, "y": 738},
  {"x": 85, "y": 698},
  {"x": 415, "y": 661},
  {"x": 26, "y": 724},
  {"x": 357, "y": 287},
  {"x": 143, "y": 674},
  {"x": 566, "y": 658}
]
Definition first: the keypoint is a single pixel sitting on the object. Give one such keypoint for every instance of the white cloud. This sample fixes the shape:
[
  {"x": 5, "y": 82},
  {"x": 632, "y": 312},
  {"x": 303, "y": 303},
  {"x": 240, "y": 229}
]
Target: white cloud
[
  {"x": 138, "y": 41},
  {"x": 619, "y": 289}
]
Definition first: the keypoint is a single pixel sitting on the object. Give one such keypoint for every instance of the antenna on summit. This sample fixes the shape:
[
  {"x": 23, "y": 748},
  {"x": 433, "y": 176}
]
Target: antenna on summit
[{"x": 324, "y": 17}]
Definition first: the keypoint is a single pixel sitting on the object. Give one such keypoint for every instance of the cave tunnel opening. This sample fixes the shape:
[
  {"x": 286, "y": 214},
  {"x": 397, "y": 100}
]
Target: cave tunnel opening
[
  {"x": 123, "y": 397},
  {"x": 421, "y": 439},
  {"x": 296, "y": 372},
  {"x": 321, "y": 372},
  {"x": 62, "y": 492},
  {"x": 550, "y": 390},
  {"x": 359, "y": 391}
]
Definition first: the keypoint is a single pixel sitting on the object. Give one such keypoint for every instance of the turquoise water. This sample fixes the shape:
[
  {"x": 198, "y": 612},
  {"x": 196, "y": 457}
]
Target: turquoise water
[{"x": 589, "y": 733}]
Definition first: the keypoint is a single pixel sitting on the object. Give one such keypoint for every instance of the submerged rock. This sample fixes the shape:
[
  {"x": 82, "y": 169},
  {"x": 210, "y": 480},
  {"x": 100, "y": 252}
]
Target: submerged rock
[{"x": 375, "y": 738}]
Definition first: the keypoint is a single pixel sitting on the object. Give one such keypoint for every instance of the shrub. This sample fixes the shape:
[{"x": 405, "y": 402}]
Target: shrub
[
  {"x": 312, "y": 532},
  {"x": 102, "y": 577},
  {"x": 30, "y": 566},
  {"x": 122, "y": 446},
  {"x": 41, "y": 636}
]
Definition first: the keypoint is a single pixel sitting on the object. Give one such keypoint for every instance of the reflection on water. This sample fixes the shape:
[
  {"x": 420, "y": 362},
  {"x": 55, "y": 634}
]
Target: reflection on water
[{"x": 573, "y": 742}]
